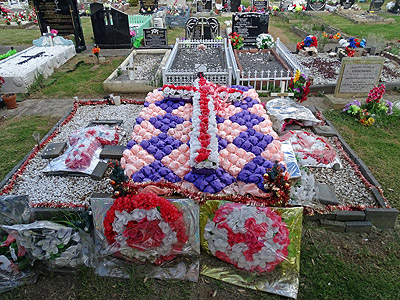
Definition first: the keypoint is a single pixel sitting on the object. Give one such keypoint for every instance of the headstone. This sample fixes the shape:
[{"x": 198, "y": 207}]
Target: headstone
[
  {"x": 316, "y": 5},
  {"x": 261, "y": 5},
  {"x": 396, "y": 8},
  {"x": 326, "y": 194},
  {"x": 155, "y": 37},
  {"x": 358, "y": 76},
  {"x": 63, "y": 16},
  {"x": 148, "y": 6},
  {"x": 99, "y": 171},
  {"x": 110, "y": 27},
  {"x": 234, "y": 5},
  {"x": 376, "y": 5},
  {"x": 111, "y": 123},
  {"x": 250, "y": 25},
  {"x": 53, "y": 150},
  {"x": 112, "y": 151},
  {"x": 204, "y": 5},
  {"x": 346, "y": 3},
  {"x": 202, "y": 28}
]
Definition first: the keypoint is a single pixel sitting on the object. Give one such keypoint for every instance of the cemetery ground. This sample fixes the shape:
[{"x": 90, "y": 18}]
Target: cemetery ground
[{"x": 345, "y": 265}]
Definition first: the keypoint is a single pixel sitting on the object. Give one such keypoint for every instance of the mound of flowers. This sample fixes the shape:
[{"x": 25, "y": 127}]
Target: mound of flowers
[{"x": 222, "y": 143}]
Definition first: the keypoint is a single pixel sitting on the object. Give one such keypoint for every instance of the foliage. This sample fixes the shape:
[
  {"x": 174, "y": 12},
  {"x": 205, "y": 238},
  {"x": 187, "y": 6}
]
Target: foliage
[
  {"x": 236, "y": 40},
  {"x": 37, "y": 84},
  {"x": 300, "y": 86}
]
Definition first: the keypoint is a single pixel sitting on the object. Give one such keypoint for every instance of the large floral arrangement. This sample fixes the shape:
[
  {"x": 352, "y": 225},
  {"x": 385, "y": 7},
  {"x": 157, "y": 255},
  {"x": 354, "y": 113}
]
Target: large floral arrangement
[
  {"x": 12, "y": 256},
  {"x": 19, "y": 17},
  {"x": 236, "y": 40},
  {"x": 309, "y": 41},
  {"x": 373, "y": 109},
  {"x": 265, "y": 41},
  {"x": 250, "y": 238},
  {"x": 330, "y": 36},
  {"x": 300, "y": 86},
  {"x": 145, "y": 227}
]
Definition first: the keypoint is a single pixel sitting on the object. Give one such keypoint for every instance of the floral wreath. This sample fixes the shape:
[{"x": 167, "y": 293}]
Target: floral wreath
[
  {"x": 145, "y": 226},
  {"x": 250, "y": 238}
]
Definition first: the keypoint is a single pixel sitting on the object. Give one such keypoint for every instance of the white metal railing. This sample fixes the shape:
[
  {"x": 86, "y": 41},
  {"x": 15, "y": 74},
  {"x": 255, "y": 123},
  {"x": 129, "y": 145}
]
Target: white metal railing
[
  {"x": 186, "y": 77},
  {"x": 264, "y": 81},
  {"x": 290, "y": 60}
]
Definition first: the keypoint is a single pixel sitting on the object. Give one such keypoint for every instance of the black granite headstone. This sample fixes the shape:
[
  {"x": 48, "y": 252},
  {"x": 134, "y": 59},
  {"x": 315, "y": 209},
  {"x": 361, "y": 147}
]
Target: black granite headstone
[
  {"x": 235, "y": 5},
  {"x": 261, "y": 5},
  {"x": 316, "y": 5},
  {"x": 204, "y": 5},
  {"x": 396, "y": 8},
  {"x": 346, "y": 3},
  {"x": 202, "y": 28},
  {"x": 250, "y": 25},
  {"x": 376, "y": 5},
  {"x": 155, "y": 37},
  {"x": 110, "y": 27},
  {"x": 148, "y": 6},
  {"x": 63, "y": 16}
]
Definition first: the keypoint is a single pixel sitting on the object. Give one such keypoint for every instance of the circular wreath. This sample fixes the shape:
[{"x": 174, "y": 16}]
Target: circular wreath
[
  {"x": 145, "y": 226},
  {"x": 248, "y": 237}
]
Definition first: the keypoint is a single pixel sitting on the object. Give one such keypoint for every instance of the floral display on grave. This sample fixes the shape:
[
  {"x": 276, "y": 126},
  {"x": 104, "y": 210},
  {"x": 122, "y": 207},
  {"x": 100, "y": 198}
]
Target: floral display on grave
[
  {"x": 12, "y": 256},
  {"x": 309, "y": 41},
  {"x": 311, "y": 150},
  {"x": 300, "y": 86},
  {"x": 260, "y": 243},
  {"x": 236, "y": 40},
  {"x": 265, "y": 41},
  {"x": 374, "y": 109},
  {"x": 96, "y": 51},
  {"x": 29, "y": 15},
  {"x": 351, "y": 44},
  {"x": 223, "y": 143},
  {"x": 84, "y": 147},
  {"x": 297, "y": 6},
  {"x": 331, "y": 36},
  {"x": 146, "y": 228}
]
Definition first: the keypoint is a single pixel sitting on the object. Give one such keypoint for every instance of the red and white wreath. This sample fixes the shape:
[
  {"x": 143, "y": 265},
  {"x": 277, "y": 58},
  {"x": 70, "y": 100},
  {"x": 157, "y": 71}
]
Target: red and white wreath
[
  {"x": 145, "y": 227},
  {"x": 248, "y": 237}
]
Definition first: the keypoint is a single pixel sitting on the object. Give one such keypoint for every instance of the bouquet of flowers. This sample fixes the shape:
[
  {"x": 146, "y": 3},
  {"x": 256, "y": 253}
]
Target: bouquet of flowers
[
  {"x": 12, "y": 256},
  {"x": 309, "y": 41},
  {"x": 300, "y": 86},
  {"x": 146, "y": 227},
  {"x": 236, "y": 40},
  {"x": 96, "y": 51},
  {"x": 373, "y": 108},
  {"x": 265, "y": 41},
  {"x": 330, "y": 36}
]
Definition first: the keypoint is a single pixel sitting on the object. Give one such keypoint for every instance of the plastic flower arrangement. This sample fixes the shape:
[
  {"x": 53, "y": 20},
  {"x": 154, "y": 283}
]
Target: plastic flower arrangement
[
  {"x": 12, "y": 256},
  {"x": 265, "y": 41},
  {"x": 330, "y": 36},
  {"x": 353, "y": 43},
  {"x": 96, "y": 51},
  {"x": 309, "y": 41},
  {"x": 300, "y": 86},
  {"x": 236, "y": 40},
  {"x": 373, "y": 109}
]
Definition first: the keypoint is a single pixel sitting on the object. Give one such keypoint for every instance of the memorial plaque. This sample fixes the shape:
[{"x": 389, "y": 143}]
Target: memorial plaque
[
  {"x": 346, "y": 3},
  {"x": 261, "y": 5},
  {"x": 63, "y": 16},
  {"x": 316, "y": 5},
  {"x": 358, "y": 76},
  {"x": 249, "y": 26},
  {"x": 155, "y": 37},
  {"x": 376, "y": 5},
  {"x": 148, "y": 6},
  {"x": 204, "y": 5},
  {"x": 202, "y": 28},
  {"x": 110, "y": 27}
]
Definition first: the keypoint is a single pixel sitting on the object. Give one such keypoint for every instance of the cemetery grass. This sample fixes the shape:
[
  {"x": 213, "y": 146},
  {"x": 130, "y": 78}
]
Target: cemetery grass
[
  {"x": 76, "y": 78},
  {"x": 17, "y": 132}
]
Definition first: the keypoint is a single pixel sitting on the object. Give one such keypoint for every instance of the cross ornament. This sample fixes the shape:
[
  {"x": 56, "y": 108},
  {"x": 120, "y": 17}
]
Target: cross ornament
[
  {"x": 282, "y": 94},
  {"x": 50, "y": 36}
]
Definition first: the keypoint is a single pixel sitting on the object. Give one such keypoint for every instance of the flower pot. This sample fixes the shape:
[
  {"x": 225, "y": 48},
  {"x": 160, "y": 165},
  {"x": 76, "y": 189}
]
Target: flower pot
[{"x": 10, "y": 100}]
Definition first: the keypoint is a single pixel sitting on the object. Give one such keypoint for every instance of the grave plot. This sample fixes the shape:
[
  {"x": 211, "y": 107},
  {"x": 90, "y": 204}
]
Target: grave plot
[
  {"x": 325, "y": 69},
  {"x": 20, "y": 69},
  {"x": 139, "y": 72},
  {"x": 189, "y": 57}
]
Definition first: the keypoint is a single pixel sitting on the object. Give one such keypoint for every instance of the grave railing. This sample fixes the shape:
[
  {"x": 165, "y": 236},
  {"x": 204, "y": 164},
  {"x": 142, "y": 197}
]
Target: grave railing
[
  {"x": 221, "y": 76},
  {"x": 290, "y": 60},
  {"x": 264, "y": 81}
]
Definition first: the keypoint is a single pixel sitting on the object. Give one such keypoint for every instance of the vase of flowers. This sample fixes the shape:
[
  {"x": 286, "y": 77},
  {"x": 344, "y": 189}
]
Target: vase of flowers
[{"x": 9, "y": 99}]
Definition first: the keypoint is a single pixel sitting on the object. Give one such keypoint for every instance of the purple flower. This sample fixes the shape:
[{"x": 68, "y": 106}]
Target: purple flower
[
  {"x": 354, "y": 102},
  {"x": 389, "y": 104}
]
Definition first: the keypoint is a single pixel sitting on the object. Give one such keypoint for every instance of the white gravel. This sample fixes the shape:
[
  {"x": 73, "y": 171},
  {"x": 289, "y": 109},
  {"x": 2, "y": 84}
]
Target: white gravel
[{"x": 63, "y": 190}]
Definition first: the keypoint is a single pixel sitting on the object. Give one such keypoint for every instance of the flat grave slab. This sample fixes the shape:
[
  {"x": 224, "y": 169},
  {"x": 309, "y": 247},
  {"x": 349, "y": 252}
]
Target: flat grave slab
[
  {"x": 105, "y": 122},
  {"x": 53, "y": 150},
  {"x": 324, "y": 130},
  {"x": 327, "y": 194},
  {"x": 112, "y": 151}
]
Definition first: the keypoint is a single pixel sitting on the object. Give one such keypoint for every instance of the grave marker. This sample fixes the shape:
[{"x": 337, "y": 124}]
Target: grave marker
[
  {"x": 204, "y": 5},
  {"x": 250, "y": 25},
  {"x": 110, "y": 27},
  {"x": 148, "y": 6},
  {"x": 376, "y": 5},
  {"x": 316, "y": 5},
  {"x": 63, "y": 16},
  {"x": 358, "y": 76},
  {"x": 155, "y": 37},
  {"x": 396, "y": 8},
  {"x": 202, "y": 28},
  {"x": 346, "y": 3},
  {"x": 233, "y": 5},
  {"x": 261, "y": 5}
]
